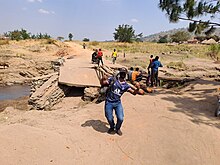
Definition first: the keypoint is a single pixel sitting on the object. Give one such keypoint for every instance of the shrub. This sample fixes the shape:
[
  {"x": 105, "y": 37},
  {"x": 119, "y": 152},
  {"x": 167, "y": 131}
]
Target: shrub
[
  {"x": 214, "y": 51},
  {"x": 86, "y": 40}
]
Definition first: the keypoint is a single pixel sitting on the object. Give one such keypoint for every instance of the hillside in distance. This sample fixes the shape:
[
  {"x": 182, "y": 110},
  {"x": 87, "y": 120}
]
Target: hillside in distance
[{"x": 156, "y": 36}]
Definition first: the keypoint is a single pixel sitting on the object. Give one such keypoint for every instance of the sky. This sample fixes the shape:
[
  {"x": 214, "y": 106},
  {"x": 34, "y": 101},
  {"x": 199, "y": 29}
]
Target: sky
[{"x": 93, "y": 19}]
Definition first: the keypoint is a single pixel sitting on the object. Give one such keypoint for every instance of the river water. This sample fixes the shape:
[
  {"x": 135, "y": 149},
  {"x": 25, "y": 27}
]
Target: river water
[{"x": 14, "y": 92}]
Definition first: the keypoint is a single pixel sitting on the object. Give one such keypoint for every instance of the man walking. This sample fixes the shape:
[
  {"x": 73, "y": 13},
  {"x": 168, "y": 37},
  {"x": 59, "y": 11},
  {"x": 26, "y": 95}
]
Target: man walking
[
  {"x": 99, "y": 56},
  {"x": 114, "y": 56},
  {"x": 113, "y": 100}
]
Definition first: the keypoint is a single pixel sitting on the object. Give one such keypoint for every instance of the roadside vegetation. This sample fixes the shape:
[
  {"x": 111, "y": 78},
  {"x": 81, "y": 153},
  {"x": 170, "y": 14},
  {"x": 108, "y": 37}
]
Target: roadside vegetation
[{"x": 137, "y": 53}]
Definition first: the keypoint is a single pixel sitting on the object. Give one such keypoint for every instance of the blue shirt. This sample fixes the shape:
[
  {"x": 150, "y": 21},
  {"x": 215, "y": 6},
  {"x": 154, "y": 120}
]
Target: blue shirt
[
  {"x": 156, "y": 65},
  {"x": 116, "y": 90}
]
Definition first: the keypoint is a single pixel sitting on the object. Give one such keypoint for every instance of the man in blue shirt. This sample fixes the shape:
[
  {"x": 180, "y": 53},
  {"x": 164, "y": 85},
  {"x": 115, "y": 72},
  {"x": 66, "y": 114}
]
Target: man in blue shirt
[
  {"x": 116, "y": 89},
  {"x": 154, "y": 76}
]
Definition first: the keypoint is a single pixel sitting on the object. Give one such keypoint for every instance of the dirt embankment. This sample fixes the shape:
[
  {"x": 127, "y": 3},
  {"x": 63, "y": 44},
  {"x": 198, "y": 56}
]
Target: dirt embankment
[
  {"x": 162, "y": 128},
  {"x": 23, "y": 60}
]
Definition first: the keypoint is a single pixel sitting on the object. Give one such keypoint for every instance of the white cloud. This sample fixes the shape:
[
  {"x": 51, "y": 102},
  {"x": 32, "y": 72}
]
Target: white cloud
[
  {"x": 35, "y": 1},
  {"x": 42, "y": 11},
  {"x": 134, "y": 20}
]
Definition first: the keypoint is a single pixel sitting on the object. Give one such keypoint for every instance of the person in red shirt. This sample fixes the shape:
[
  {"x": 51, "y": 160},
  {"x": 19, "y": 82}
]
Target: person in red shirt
[{"x": 99, "y": 56}]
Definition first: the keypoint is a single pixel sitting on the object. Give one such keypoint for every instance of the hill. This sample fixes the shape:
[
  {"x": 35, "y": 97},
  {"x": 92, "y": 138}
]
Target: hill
[{"x": 156, "y": 36}]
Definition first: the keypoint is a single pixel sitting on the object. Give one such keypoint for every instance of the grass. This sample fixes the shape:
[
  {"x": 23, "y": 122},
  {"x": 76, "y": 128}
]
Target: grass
[
  {"x": 137, "y": 54},
  {"x": 177, "y": 65},
  {"x": 4, "y": 42}
]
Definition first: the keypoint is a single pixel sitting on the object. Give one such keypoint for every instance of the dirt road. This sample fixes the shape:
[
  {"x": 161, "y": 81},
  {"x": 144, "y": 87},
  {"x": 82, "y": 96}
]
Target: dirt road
[{"x": 163, "y": 128}]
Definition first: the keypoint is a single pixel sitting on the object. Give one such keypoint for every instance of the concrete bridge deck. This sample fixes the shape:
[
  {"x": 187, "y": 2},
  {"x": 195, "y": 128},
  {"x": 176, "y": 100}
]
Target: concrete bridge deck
[{"x": 80, "y": 72}]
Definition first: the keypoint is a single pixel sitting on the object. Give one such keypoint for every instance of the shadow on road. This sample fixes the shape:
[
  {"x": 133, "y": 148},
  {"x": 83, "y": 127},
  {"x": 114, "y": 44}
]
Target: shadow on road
[
  {"x": 198, "y": 104},
  {"x": 97, "y": 125}
]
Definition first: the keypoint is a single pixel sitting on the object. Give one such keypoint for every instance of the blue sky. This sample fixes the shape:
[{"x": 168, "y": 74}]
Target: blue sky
[{"x": 94, "y": 19}]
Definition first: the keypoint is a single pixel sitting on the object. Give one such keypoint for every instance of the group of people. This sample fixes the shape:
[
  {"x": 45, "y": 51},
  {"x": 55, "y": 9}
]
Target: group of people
[
  {"x": 98, "y": 54},
  {"x": 118, "y": 86},
  {"x": 152, "y": 68}
]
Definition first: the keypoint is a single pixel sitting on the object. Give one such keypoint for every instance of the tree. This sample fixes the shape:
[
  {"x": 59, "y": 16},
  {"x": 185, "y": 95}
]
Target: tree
[
  {"x": 70, "y": 36},
  {"x": 125, "y": 33},
  {"x": 86, "y": 40},
  {"x": 180, "y": 36},
  {"x": 18, "y": 34},
  {"x": 193, "y": 11},
  {"x": 163, "y": 39},
  {"x": 60, "y": 38}
]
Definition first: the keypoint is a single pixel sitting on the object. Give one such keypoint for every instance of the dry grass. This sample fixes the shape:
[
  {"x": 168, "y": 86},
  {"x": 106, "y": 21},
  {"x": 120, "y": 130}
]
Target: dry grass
[
  {"x": 137, "y": 54},
  {"x": 4, "y": 42}
]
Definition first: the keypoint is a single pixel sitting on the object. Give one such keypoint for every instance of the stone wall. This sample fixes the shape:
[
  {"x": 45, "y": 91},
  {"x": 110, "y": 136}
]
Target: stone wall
[{"x": 45, "y": 92}]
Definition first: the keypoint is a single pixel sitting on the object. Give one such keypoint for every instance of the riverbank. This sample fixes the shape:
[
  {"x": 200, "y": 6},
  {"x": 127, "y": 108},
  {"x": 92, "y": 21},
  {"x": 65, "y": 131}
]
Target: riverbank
[{"x": 20, "y": 103}]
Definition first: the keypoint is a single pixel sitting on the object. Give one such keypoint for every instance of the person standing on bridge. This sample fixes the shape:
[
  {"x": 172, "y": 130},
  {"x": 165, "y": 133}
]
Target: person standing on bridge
[
  {"x": 99, "y": 56},
  {"x": 113, "y": 99}
]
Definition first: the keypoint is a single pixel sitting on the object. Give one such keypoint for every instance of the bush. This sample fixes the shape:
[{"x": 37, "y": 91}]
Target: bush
[
  {"x": 86, "y": 40},
  {"x": 214, "y": 51}
]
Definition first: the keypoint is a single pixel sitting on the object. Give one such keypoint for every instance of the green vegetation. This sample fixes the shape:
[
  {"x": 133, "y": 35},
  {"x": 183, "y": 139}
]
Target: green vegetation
[
  {"x": 86, "y": 40},
  {"x": 193, "y": 11},
  {"x": 180, "y": 36},
  {"x": 23, "y": 35},
  {"x": 214, "y": 51},
  {"x": 126, "y": 33},
  {"x": 70, "y": 36},
  {"x": 163, "y": 39},
  {"x": 137, "y": 54}
]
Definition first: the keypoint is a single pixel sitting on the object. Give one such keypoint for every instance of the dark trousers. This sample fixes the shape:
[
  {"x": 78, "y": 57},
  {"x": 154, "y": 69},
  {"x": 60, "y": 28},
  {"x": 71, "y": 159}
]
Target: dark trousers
[
  {"x": 154, "y": 78},
  {"x": 100, "y": 59}
]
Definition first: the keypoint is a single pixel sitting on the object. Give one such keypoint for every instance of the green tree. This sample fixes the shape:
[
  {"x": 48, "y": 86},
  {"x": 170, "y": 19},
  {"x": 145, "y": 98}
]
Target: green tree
[
  {"x": 194, "y": 12},
  {"x": 24, "y": 34},
  {"x": 163, "y": 39},
  {"x": 86, "y": 39},
  {"x": 180, "y": 36},
  {"x": 70, "y": 36},
  {"x": 125, "y": 33},
  {"x": 19, "y": 34}
]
